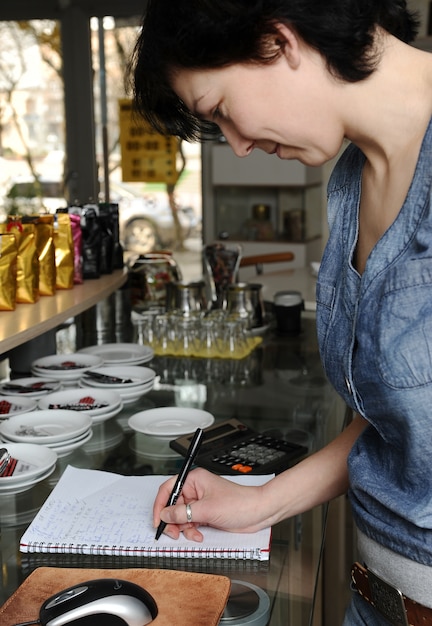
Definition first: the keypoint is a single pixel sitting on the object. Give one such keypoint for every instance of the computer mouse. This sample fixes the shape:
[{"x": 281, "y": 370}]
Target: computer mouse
[{"x": 100, "y": 602}]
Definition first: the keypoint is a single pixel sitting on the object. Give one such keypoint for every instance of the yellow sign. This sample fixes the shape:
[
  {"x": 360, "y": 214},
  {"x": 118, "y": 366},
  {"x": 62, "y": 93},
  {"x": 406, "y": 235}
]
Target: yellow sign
[{"x": 146, "y": 155}]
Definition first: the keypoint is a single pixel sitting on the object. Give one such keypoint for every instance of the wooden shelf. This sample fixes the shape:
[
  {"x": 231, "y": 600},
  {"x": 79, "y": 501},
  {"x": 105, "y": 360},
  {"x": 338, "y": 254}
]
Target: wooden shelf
[{"x": 28, "y": 321}]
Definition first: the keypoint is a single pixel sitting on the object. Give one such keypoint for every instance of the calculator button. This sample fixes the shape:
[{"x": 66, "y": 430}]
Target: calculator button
[
  {"x": 243, "y": 469},
  {"x": 271, "y": 457}
]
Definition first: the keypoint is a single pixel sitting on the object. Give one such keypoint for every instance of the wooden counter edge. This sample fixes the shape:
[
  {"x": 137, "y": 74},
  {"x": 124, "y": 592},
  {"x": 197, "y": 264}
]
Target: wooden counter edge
[{"x": 32, "y": 320}]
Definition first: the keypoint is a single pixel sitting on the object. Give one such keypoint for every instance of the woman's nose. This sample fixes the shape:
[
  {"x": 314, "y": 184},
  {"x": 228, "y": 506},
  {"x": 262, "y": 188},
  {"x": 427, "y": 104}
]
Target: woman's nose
[{"x": 241, "y": 147}]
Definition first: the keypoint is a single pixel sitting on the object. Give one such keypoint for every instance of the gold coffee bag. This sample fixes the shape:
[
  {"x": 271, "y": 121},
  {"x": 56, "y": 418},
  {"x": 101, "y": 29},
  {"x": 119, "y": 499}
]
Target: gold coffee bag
[
  {"x": 44, "y": 225},
  {"x": 64, "y": 251},
  {"x": 8, "y": 272},
  {"x": 27, "y": 290}
]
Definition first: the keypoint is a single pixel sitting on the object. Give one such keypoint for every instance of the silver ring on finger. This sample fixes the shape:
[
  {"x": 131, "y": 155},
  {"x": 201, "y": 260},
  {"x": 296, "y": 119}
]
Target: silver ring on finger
[{"x": 188, "y": 513}]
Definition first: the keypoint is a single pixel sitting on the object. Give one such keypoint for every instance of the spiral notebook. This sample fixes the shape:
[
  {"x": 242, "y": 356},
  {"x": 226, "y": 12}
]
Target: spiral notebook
[{"x": 101, "y": 513}]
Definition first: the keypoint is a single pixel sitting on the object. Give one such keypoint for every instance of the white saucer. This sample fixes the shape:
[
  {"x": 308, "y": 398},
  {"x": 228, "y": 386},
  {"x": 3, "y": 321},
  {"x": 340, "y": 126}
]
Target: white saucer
[
  {"x": 103, "y": 417},
  {"x": 70, "y": 446},
  {"x": 143, "y": 380},
  {"x": 32, "y": 382},
  {"x": 121, "y": 353},
  {"x": 170, "y": 422},
  {"x": 24, "y": 485},
  {"x": 60, "y": 444},
  {"x": 45, "y": 427},
  {"x": 65, "y": 366},
  {"x": 35, "y": 461},
  {"x": 16, "y": 406},
  {"x": 67, "y": 399},
  {"x": 124, "y": 392},
  {"x": 137, "y": 374}
]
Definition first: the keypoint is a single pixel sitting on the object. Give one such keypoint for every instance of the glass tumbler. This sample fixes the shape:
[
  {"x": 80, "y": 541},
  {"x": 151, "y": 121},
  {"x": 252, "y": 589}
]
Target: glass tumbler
[
  {"x": 186, "y": 342},
  {"x": 210, "y": 339},
  {"x": 164, "y": 335},
  {"x": 148, "y": 333},
  {"x": 235, "y": 340}
]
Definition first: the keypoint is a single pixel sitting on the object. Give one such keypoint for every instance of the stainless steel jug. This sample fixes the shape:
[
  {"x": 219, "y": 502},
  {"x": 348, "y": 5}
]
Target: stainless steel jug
[
  {"x": 245, "y": 300},
  {"x": 186, "y": 297}
]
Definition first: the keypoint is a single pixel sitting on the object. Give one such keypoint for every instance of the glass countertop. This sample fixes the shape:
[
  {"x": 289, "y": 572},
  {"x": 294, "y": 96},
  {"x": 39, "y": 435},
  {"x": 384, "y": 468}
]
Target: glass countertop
[{"x": 278, "y": 389}]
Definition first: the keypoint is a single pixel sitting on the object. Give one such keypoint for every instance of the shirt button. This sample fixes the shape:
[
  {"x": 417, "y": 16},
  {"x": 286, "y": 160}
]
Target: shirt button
[{"x": 348, "y": 385}]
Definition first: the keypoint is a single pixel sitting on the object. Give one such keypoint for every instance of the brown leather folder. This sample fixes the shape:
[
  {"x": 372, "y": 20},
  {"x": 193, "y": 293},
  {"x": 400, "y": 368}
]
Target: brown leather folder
[{"x": 183, "y": 598}]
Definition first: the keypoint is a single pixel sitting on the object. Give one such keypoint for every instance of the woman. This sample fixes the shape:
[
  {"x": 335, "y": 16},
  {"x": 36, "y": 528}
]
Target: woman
[{"x": 298, "y": 78}]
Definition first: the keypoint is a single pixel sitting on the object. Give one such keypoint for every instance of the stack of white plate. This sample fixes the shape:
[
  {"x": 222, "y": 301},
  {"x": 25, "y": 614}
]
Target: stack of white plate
[
  {"x": 121, "y": 353},
  {"x": 131, "y": 381},
  {"x": 67, "y": 368},
  {"x": 11, "y": 405},
  {"x": 100, "y": 404},
  {"x": 61, "y": 431},
  {"x": 35, "y": 463},
  {"x": 33, "y": 387}
]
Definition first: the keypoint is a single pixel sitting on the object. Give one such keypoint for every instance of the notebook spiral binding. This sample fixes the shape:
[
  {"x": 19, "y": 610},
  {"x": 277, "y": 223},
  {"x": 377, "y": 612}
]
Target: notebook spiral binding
[{"x": 143, "y": 551}]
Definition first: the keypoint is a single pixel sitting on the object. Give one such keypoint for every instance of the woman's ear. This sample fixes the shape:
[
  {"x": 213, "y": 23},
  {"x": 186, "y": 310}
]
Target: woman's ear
[{"x": 288, "y": 43}]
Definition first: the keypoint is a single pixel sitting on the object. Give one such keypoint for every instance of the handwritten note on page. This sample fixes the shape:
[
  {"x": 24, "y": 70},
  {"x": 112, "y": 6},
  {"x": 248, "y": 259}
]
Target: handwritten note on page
[{"x": 96, "y": 512}]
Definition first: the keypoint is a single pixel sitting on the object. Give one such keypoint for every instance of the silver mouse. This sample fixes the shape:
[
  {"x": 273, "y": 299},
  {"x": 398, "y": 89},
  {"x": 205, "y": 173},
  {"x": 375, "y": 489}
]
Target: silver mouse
[{"x": 99, "y": 602}]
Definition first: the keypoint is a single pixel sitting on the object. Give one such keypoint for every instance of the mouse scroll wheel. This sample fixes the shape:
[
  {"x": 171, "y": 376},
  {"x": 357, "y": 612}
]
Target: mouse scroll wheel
[{"x": 65, "y": 596}]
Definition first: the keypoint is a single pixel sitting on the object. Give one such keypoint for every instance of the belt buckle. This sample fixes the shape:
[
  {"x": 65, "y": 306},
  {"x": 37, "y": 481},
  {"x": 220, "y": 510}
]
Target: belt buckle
[{"x": 388, "y": 600}]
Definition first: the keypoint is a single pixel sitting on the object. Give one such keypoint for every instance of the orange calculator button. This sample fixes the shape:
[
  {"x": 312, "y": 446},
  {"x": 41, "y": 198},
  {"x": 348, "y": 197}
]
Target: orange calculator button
[{"x": 244, "y": 469}]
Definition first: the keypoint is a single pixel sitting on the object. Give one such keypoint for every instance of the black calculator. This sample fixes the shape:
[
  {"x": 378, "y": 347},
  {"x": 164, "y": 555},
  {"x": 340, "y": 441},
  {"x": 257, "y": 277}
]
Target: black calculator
[{"x": 232, "y": 448}]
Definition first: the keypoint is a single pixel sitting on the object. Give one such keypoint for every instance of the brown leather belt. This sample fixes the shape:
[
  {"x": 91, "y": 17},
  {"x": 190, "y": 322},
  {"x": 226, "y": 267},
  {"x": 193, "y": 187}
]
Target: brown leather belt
[{"x": 389, "y": 601}]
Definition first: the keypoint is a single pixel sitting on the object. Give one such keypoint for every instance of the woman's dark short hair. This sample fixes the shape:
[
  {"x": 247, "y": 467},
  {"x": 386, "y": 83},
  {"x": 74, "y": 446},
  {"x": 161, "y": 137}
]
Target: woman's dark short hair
[{"x": 204, "y": 34}]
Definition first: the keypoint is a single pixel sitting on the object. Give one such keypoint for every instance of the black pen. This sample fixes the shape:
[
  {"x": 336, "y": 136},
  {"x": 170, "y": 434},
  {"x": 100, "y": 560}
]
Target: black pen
[{"x": 178, "y": 486}]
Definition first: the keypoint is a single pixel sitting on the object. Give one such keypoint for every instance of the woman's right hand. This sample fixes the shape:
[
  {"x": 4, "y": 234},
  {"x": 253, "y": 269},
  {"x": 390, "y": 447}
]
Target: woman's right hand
[
  {"x": 214, "y": 501},
  {"x": 221, "y": 503}
]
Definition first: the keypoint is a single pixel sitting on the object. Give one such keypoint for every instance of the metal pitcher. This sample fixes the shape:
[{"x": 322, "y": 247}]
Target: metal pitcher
[
  {"x": 186, "y": 297},
  {"x": 245, "y": 300}
]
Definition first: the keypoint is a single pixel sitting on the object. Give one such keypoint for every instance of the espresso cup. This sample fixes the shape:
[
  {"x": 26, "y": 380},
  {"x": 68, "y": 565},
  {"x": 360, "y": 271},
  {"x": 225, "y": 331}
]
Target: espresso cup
[{"x": 288, "y": 306}]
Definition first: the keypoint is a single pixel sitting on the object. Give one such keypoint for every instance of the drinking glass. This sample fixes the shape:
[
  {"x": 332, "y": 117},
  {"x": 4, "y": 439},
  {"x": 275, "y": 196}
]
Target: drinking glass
[
  {"x": 186, "y": 342},
  {"x": 164, "y": 337},
  {"x": 235, "y": 340},
  {"x": 211, "y": 343},
  {"x": 148, "y": 334}
]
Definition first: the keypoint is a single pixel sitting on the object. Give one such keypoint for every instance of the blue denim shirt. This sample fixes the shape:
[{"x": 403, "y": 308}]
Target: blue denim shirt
[{"x": 375, "y": 336}]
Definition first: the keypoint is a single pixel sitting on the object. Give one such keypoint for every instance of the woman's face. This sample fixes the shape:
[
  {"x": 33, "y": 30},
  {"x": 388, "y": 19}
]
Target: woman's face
[{"x": 283, "y": 107}]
